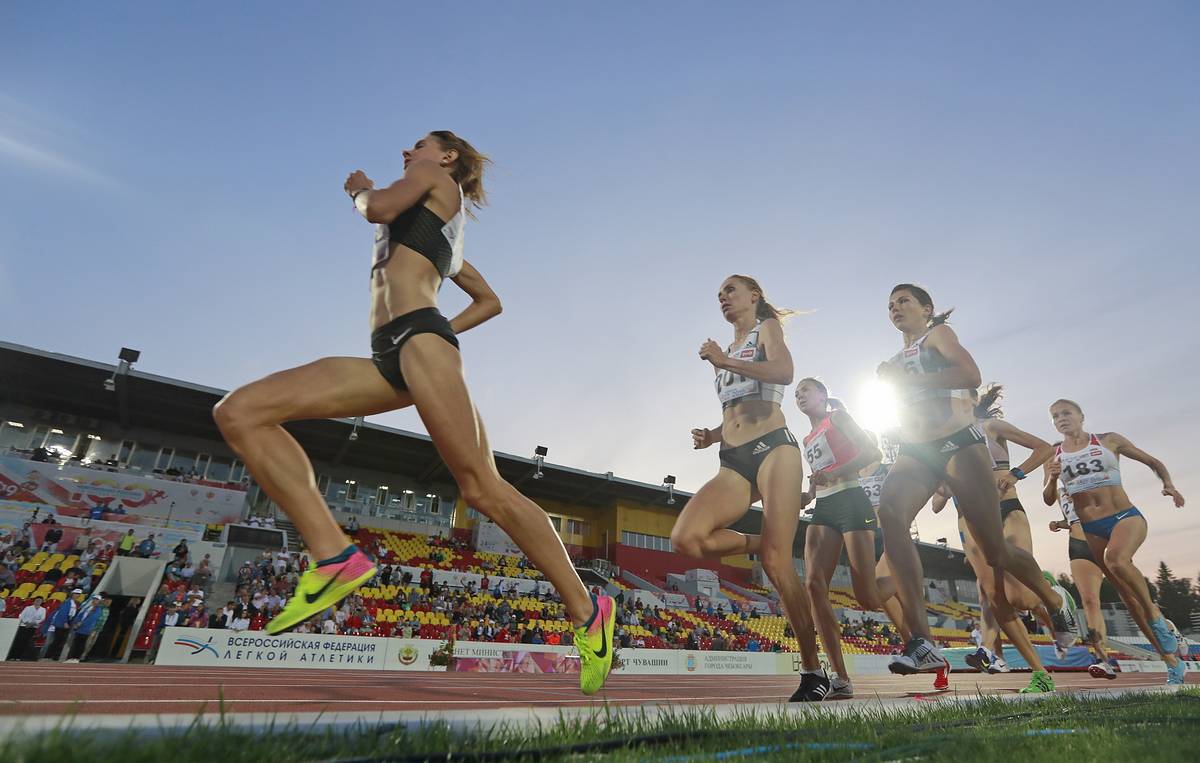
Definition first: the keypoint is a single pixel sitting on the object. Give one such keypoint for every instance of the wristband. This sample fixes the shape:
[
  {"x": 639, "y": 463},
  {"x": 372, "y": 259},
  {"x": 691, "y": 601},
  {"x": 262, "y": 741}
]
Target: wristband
[{"x": 1016, "y": 472}]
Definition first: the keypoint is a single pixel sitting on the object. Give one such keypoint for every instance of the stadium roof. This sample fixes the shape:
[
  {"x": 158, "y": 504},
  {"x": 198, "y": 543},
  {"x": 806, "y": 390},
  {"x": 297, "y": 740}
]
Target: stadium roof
[{"x": 64, "y": 383}]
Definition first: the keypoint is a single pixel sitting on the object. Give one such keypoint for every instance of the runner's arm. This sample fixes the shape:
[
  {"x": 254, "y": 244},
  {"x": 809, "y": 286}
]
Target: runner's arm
[
  {"x": 484, "y": 302},
  {"x": 1123, "y": 447},
  {"x": 776, "y": 369}
]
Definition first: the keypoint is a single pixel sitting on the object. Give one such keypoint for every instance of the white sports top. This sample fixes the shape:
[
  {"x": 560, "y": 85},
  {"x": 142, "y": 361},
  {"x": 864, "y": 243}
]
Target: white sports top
[
  {"x": 1093, "y": 466},
  {"x": 916, "y": 359},
  {"x": 733, "y": 388}
]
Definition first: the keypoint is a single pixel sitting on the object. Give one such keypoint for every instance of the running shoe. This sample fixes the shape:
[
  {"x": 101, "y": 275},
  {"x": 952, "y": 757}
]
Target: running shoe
[
  {"x": 941, "y": 680},
  {"x": 814, "y": 687},
  {"x": 1039, "y": 683},
  {"x": 979, "y": 660},
  {"x": 594, "y": 642},
  {"x": 321, "y": 586},
  {"x": 1176, "y": 673},
  {"x": 1102, "y": 670},
  {"x": 840, "y": 688},
  {"x": 1162, "y": 632},
  {"x": 919, "y": 656},
  {"x": 999, "y": 666},
  {"x": 1066, "y": 624}
]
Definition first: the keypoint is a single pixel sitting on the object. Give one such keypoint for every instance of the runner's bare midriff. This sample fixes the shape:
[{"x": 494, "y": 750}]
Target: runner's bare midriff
[
  {"x": 929, "y": 420},
  {"x": 407, "y": 281},
  {"x": 744, "y": 421}
]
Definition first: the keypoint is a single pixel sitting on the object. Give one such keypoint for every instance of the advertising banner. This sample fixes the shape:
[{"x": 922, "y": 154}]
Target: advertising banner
[
  {"x": 224, "y": 648},
  {"x": 649, "y": 661},
  {"x": 77, "y": 490}
]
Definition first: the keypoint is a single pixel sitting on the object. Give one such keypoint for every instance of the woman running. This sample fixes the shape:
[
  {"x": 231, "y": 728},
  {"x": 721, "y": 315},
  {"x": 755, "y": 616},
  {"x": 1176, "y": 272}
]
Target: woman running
[
  {"x": 1088, "y": 574},
  {"x": 999, "y": 433},
  {"x": 836, "y": 449},
  {"x": 933, "y": 374},
  {"x": 1089, "y": 466},
  {"x": 759, "y": 459},
  {"x": 414, "y": 361}
]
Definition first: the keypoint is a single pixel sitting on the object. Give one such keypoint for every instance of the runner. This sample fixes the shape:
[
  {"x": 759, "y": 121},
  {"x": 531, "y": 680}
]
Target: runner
[
  {"x": 759, "y": 458},
  {"x": 1089, "y": 466},
  {"x": 415, "y": 361},
  {"x": 836, "y": 449},
  {"x": 1088, "y": 575},
  {"x": 933, "y": 374}
]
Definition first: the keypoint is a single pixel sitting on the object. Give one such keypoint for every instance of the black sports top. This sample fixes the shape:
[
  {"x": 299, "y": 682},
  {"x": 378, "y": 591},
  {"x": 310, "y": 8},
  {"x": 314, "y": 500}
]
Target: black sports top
[{"x": 420, "y": 229}]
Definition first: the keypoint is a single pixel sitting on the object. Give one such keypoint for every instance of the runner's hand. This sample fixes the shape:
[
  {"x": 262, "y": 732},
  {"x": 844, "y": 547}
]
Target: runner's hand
[
  {"x": 358, "y": 181},
  {"x": 1175, "y": 494},
  {"x": 1054, "y": 468},
  {"x": 1005, "y": 482},
  {"x": 712, "y": 352},
  {"x": 702, "y": 438}
]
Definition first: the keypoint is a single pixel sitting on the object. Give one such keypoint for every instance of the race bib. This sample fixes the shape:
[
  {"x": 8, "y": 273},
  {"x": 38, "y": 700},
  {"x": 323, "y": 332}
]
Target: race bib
[
  {"x": 872, "y": 486},
  {"x": 818, "y": 453},
  {"x": 731, "y": 386}
]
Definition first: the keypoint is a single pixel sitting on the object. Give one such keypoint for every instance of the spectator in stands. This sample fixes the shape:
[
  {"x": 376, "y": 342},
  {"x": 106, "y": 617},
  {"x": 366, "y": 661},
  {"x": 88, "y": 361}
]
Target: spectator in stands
[
  {"x": 8, "y": 579},
  {"x": 126, "y": 546},
  {"x": 241, "y": 622},
  {"x": 96, "y": 513},
  {"x": 202, "y": 578},
  {"x": 28, "y": 623},
  {"x": 82, "y": 541},
  {"x": 181, "y": 550},
  {"x": 352, "y": 525},
  {"x": 145, "y": 549},
  {"x": 52, "y": 537}
]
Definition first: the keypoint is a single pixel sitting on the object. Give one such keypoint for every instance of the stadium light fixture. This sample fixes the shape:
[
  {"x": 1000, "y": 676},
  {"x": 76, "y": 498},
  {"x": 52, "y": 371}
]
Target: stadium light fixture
[
  {"x": 354, "y": 429},
  {"x": 669, "y": 484},
  {"x": 126, "y": 358},
  {"x": 539, "y": 455}
]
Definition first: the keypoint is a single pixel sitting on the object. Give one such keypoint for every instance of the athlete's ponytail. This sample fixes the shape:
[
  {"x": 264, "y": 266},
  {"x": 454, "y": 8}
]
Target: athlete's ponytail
[
  {"x": 832, "y": 402},
  {"x": 468, "y": 168},
  {"x": 764, "y": 309},
  {"x": 924, "y": 300},
  {"x": 987, "y": 407}
]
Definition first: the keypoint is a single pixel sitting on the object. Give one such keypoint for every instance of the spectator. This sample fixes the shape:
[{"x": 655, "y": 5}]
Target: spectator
[
  {"x": 52, "y": 537},
  {"x": 145, "y": 549},
  {"x": 126, "y": 546},
  {"x": 82, "y": 541},
  {"x": 57, "y": 626},
  {"x": 30, "y": 620},
  {"x": 96, "y": 513},
  {"x": 83, "y": 625},
  {"x": 241, "y": 622},
  {"x": 181, "y": 550},
  {"x": 352, "y": 525}
]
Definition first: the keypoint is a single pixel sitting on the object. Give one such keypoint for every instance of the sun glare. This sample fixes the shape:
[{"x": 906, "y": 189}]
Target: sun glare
[{"x": 876, "y": 409}]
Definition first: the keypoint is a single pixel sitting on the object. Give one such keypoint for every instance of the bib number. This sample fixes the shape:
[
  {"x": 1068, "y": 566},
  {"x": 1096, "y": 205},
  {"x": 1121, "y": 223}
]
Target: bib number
[
  {"x": 731, "y": 386},
  {"x": 818, "y": 453},
  {"x": 872, "y": 486},
  {"x": 1086, "y": 474}
]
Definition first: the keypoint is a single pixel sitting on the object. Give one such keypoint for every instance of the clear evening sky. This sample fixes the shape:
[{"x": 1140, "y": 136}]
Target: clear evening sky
[{"x": 172, "y": 182}]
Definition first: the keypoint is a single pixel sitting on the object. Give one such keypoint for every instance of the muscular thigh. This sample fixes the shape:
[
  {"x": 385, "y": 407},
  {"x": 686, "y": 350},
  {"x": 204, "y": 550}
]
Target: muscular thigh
[
  {"x": 781, "y": 483},
  {"x": 908, "y": 487},
  {"x": 324, "y": 389},
  {"x": 718, "y": 503},
  {"x": 1017, "y": 532}
]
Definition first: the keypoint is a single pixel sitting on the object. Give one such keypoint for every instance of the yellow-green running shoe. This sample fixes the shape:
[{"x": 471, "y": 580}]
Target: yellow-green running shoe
[
  {"x": 594, "y": 642},
  {"x": 321, "y": 587},
  {"x": 1039, "y": 683}
]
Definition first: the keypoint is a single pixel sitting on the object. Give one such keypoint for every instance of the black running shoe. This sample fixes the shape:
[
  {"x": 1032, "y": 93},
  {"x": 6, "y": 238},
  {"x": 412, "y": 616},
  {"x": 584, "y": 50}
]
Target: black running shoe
[{"x": 813, "y": 688}]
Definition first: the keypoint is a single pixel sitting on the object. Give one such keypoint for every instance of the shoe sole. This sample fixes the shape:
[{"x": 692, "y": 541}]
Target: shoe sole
[{"x": 333, "y": 596}]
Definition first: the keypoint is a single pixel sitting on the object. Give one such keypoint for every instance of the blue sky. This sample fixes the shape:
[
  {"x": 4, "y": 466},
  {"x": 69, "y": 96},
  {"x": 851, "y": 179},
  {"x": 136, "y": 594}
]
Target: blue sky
[{"x": 173, "y": 183}]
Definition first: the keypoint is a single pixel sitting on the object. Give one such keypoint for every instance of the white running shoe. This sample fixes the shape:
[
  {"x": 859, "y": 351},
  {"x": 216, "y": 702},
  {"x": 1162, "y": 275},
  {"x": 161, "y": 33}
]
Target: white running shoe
[
  {"x": 1102, "y": 670},
  {"x": 919, "y": 656},
  {"x": 840, "y": 688},
  {"x": 999, "y": 666},
  {"x": 1066, "y": 624}
]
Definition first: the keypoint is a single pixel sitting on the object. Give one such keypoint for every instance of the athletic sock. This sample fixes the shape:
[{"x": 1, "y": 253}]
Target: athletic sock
[
  {"x": 595, "y": 611},
  {"x": 349, "y": 552}
]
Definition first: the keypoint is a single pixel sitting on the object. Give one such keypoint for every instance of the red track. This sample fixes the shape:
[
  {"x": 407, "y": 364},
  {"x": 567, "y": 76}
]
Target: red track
[{"x": 53, "y": 688}]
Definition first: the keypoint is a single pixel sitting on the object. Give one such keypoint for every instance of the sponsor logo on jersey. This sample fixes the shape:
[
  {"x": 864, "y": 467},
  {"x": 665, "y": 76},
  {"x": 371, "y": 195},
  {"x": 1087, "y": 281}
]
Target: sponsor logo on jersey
[
  {"x": 1095, "y": 452},
  {"x": 911, "y": 351},
  {"x": 749, "y": 352}
]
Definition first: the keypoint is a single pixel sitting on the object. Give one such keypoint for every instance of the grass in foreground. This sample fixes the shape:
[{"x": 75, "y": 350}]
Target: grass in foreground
[{"x": 1150, "y": 727}]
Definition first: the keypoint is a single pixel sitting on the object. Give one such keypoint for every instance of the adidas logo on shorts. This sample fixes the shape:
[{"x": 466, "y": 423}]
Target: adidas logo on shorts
[
  {"x": 949, "y": 447},
  {"x": 762, "y": 447}
]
